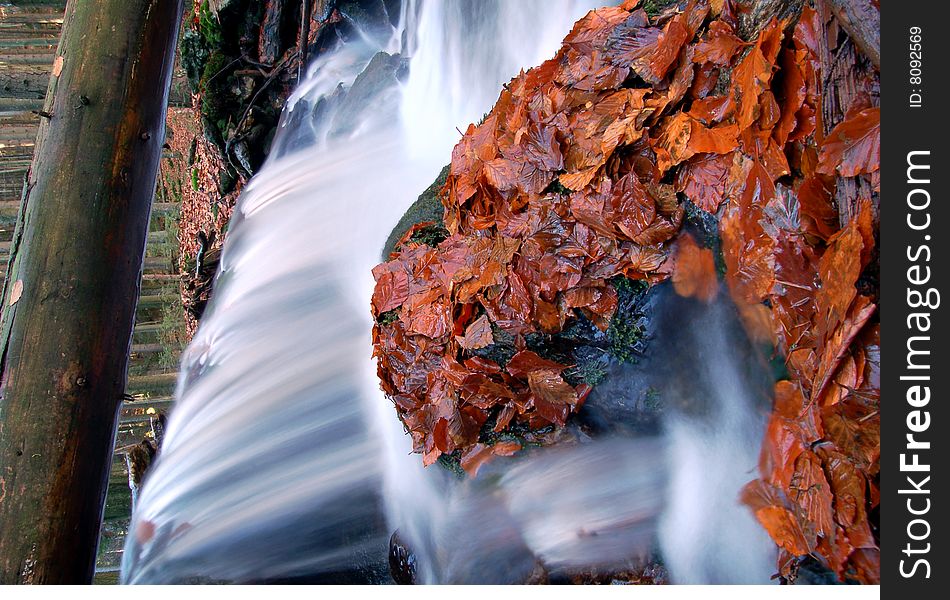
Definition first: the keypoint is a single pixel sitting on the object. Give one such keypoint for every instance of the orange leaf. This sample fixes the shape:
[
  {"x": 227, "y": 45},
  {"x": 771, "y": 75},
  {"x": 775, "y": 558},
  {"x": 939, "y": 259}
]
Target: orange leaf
[
  {"x": 853, "y": 146},
  {"x": 694, "y": 275},
  {"x": 477, "y": 335}
]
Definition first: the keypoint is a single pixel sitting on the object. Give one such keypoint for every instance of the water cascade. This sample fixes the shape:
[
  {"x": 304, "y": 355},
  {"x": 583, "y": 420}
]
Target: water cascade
[{"x": 284, "y": 462}]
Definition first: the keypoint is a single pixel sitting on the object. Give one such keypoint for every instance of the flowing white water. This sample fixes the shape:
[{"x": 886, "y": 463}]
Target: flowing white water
[{"x": 282, "y": 458}]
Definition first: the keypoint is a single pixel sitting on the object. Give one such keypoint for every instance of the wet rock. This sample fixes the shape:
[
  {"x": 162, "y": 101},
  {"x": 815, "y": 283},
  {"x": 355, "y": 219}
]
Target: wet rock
[
  {"x": 242, "y": 153},
  {"x": 372, "y": 17},
  {"x": 402, "y": 560},
  {"x": 380, "y": 77},
  {"x": 427, "y": 207}
]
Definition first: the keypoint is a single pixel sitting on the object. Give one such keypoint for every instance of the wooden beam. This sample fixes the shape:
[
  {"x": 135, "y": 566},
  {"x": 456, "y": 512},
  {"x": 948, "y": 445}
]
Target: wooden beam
[{"x": 69, "y": 300}]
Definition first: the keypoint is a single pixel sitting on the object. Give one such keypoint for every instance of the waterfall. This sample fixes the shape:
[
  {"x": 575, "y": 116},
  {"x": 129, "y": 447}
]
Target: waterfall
[{"x": 283, "y": 461}]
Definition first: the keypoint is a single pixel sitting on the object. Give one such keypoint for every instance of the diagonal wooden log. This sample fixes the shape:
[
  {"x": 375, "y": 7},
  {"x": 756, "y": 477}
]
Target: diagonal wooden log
[
  {"x": 69, "y": 302},
  {"x": 861, "y": 19}
]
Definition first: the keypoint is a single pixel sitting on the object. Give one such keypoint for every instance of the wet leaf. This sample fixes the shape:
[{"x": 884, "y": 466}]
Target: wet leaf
[
  {"x": 780, "y": 517},
  {"x": 703, "y": 179},
  {"x": 853, "y": 146},
  {"x": 720, "y": 45},
  {"x": 477, "y": 335},
  {"x": 695, "y": 273}
]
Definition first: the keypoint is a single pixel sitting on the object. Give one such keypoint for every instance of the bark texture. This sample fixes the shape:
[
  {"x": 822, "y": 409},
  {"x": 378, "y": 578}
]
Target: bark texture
[
  {"x": 862, "y": 20},
  {"x": 69, "y": 301}
]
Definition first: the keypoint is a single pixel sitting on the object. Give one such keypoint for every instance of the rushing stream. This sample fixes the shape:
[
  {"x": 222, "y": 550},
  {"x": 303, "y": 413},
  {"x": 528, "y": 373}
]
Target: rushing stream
[{"x": 284, "y": 462}]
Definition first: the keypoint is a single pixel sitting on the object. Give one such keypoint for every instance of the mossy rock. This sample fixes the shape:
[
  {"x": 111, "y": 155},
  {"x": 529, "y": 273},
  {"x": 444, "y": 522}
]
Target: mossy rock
[
  {"x": 655, "y": 7},
  {"x": 597, "y": 358},
  {"x": 427, "y": 208},
  {"x": 194, "y": 55}
]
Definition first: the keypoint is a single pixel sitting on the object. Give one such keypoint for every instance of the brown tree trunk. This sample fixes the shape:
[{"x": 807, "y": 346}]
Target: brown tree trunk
[{"x": 69, "y": 302}]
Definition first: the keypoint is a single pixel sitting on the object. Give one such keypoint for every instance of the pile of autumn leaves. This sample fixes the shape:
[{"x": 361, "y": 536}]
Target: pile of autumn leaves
[{"x": 578, "y": 175}]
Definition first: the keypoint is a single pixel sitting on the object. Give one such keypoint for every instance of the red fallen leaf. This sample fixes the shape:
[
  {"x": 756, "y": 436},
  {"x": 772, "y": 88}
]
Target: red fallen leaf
[
  {"x": 780, "y": 517},
  {"x": 440, "y": 435},
  {"x": 430, "y": 456},
  {"x": 782, "y": 446},
  {"x": 668, "y": 45},
  {"x": 502, "y": 173},
  {"x": 864, "y": 219},
  {"x": 813, "y": 493},
  {"x": 672, "y": 145},
  {"x": 850, "y": 494},
  {"x": 649, "y": 51},
  {"x": 475, "y": 457},
  {"x": 856, "y": 430},
  {"x": 705, "y": 80},
  {"x": 477, "y": 363},
  {"x": 815, "y": 198},
  {"x": 477, "y": 335},
  {"x": 809, "y": 30},
  {"x": 719, "y": 46},
  {"x": 720, "y": 139},
  {"x": 839, "y": 269},
  {"x": 712, "y": 109},
  {"x": 593, "y": 28},
  {"x": 749, "y": 257},
  {"x": 703, "y": 180},
  {"x": 622, "y": 209},
  {"x": 769, "y": 111},
  {"x": 835, "y": 550},
  {"x": 867, "y": 565},
  {"x": 582, "y": 296},
  {"x": 643, "y": 261},
  {"x": 790, "y": 405},
  {"x": 505, "y": 417},
  {"x": 749, "y": 79},
  {"x": 694, "y": 275},
  {"x": 505, "y": 448},
  {"x": 392, "y": 287},
  {"x": 526, "y": 361},
  {"x": 432, "y": 320},
  {"x": 553, "y": 397},
  {"x": 465, "y": 424},
  {"x": 853, "y": 146},
  {"x": 790, "y": 95},
  {"x": 838, "y": 343}
]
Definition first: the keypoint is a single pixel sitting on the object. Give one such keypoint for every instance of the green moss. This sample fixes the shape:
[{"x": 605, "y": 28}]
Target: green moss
[
  {"x": 430, "y": 235},
  {"x": 199, "y": 44},
  {"x": 556, "y": 187},
  {"x": 626, "y": 334},
  {"x": 655, "y": 7},
  {"x": 227, "y": 179},
  {"x": 209, "y": 27},
  {"x": 194, "y": 54},
  {"x": 216, "y": 102},
  {"x": 389, "y": 317},
  {"x": 194, "y": 179},
  {"x": 452, "y": 463},
  {"x": 590, "y": 366}
]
